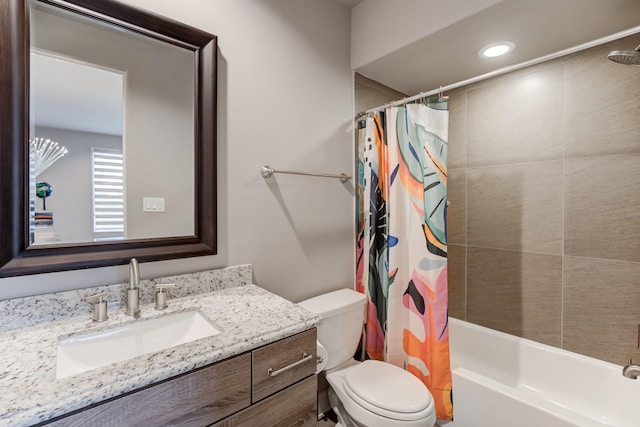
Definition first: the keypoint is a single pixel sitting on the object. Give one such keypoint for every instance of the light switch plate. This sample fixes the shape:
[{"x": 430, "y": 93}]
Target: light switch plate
[{"x": 153, "y": 204}]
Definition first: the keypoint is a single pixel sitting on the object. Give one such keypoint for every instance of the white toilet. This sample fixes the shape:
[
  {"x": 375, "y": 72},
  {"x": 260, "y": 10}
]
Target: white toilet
[{"x": 369, "y": 393}]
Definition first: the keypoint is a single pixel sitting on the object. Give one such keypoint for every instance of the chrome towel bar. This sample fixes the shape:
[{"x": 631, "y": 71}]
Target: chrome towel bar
[{"x": 268, "y": 171}]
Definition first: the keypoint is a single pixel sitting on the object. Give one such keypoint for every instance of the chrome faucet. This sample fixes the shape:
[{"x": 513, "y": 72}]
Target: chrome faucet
[
  {"x": 133, "y": 293},
  {"x": 631, "y": 370}
]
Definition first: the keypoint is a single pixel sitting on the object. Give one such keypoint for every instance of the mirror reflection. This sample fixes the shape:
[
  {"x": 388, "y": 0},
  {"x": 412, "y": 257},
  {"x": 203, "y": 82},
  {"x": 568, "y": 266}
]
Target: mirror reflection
[
  {"x": 76, "y": 151},
  {"x": 121, "y": 108}
]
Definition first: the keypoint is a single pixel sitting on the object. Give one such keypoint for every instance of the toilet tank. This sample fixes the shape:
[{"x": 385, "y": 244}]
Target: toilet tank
[{"x": 342, "y": 315}]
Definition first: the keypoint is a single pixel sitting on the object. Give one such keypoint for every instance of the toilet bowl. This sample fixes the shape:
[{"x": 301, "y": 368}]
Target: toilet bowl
[
  {"x": 374, "y": 393},
  {"x": 369, "y": 393}
]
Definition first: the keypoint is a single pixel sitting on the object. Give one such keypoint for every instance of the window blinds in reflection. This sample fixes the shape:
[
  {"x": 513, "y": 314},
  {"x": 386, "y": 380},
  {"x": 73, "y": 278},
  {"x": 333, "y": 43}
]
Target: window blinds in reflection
[{"x": 108, "y": 193}]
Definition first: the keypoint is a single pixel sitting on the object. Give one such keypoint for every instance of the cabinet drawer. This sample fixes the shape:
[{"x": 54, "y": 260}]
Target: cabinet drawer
[
  {"x": 271, "y": 367},
  {"x": 198, "y": 398},
  {"x": 294, "y": 406}
]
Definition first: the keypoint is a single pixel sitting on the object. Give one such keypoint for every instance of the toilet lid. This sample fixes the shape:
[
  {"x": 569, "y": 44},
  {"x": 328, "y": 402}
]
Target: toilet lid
[{"x": 388, "y": 390}]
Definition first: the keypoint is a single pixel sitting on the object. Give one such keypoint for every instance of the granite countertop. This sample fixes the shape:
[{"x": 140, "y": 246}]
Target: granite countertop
[{"x": 248, "y": 316}]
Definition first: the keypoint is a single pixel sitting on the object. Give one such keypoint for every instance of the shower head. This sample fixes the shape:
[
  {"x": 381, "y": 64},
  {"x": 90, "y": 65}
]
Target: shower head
[{"x": 626, "y": 57}]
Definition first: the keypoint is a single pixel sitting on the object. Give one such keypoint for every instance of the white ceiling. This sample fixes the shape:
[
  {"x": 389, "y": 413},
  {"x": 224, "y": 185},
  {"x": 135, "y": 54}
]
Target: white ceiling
[{"x": 537, "y": 27}]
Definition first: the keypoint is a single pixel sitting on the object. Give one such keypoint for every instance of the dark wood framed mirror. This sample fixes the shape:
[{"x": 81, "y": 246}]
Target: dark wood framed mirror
[{"x": 18, "y": 254}]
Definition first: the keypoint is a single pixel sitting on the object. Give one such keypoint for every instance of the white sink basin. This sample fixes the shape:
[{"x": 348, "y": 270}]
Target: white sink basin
[{"x": 82, "y": 352}]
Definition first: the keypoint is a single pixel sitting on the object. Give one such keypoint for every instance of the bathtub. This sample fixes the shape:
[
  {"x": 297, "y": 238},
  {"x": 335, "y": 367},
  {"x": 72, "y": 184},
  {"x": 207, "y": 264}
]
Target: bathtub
[{"x": 500, "y": 380}]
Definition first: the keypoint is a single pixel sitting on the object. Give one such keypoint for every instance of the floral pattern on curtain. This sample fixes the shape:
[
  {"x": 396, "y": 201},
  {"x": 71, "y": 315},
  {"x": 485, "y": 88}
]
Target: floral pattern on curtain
[{"x": 402, "y": 246}]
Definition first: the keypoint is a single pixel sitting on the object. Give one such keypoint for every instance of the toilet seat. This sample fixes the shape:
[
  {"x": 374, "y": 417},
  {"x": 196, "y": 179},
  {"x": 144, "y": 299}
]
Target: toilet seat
[{"x": 388, "y": 391}]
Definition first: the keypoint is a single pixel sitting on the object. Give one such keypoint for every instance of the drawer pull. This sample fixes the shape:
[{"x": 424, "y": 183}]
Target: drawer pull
[{"x": 305, "y": 358}]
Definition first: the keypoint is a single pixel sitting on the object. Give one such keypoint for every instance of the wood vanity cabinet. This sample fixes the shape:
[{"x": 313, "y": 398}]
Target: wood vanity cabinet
[
  {"x": 275, "y": 401},
  {"x": 234, "y": 392}
]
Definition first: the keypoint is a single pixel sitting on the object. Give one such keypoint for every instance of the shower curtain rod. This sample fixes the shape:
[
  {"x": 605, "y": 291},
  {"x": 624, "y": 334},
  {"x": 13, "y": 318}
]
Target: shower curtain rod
[{"x": 505, "y": 70}]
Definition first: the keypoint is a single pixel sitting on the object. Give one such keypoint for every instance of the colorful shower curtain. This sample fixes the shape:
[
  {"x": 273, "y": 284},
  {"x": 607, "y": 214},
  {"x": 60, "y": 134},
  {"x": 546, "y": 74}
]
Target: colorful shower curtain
[{"x": 401, "y": 248}]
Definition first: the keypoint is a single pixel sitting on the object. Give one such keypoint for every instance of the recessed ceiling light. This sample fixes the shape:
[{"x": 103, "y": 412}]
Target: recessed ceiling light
[{"x": 496, "y": 49}]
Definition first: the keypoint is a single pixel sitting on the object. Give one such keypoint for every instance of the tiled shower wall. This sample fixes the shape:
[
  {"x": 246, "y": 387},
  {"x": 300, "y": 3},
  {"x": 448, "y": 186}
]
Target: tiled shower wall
[
  {"x": 544, "y": 184},
  {"x": 544, "y": 222},
  {"x": 371, "y": 94}
]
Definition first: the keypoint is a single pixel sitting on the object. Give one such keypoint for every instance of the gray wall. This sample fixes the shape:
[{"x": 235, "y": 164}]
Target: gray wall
[
  {"x": 285, "y": 99},
  {"x": 70, "y": 178},
  {"x": 544, "y": 184}
]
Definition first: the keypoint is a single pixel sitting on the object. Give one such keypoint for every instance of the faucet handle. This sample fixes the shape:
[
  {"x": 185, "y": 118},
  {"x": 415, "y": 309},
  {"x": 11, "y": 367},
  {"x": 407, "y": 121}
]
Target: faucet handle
[
  {"x": 161, "y": 294},
  {"x": 99, "y": 306}
]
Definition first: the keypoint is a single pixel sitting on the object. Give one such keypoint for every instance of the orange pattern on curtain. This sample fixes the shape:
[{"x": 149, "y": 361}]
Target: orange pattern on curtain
[{"x": 401, "y": 248}]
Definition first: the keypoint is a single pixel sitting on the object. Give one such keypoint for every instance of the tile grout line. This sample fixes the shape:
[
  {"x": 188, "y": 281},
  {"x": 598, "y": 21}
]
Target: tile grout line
[
  {"x": 539, "y": 161},
  {"x": 545, "y": 253},
  {"x": 466, "y": 204},
  {"x": 562, "y": 259},
  {"x": 510, "y": 250}
]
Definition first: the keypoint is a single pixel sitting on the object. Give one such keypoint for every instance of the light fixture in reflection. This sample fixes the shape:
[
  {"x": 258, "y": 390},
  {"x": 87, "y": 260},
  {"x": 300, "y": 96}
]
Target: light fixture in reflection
[
  {"x": 43, "y": 153},
  {"x": 496, "y": 49}
]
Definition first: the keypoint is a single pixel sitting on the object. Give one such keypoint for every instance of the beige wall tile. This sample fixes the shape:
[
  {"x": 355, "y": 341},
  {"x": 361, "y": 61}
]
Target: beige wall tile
[
  {"x": 457, "y": 210},
  {"x": 602, "y": 100},
  {"x": 371, "y": 94},
  {"x": 457, "y": 155},
  {"x": 516, "y": 207},
  {"x": 515, "y": 292},
  {"x": 601, "y": 308},
  {"x": 602, "y": 207},
  {"x": 457, "y": 265},
  {"x": 516, "y": 117}
]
